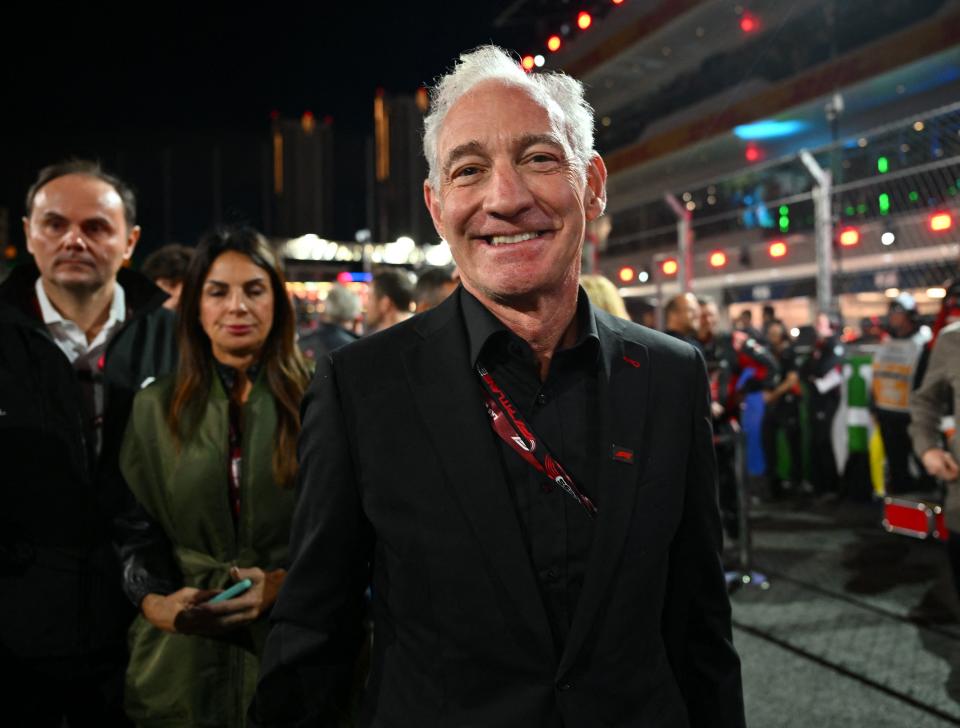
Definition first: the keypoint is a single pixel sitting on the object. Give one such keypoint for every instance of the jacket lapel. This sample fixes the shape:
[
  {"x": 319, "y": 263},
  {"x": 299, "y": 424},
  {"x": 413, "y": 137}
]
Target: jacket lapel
[
  {"x": 448, "y": 398},
  {"x": 623, "y": 397}
]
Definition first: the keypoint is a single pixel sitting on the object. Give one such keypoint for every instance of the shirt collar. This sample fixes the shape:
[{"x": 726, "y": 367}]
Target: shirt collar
[
  {"x": 482, "y": 325},
  {"x": 118, "y": 307},
  {"x": 228, "y": 375}
]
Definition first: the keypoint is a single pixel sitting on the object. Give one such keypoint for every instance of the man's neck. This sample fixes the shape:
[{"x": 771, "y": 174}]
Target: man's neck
[
  {"x": 89, "y": 310},
  {"x": 546, "y": 322}
]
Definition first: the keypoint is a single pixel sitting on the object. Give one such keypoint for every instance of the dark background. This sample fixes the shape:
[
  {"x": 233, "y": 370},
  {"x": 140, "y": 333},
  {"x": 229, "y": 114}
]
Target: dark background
[{"x": 143, "y": 86}]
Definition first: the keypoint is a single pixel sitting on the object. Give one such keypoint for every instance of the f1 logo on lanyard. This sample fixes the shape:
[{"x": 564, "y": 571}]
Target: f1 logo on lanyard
[{"x": 510, "y": 427}]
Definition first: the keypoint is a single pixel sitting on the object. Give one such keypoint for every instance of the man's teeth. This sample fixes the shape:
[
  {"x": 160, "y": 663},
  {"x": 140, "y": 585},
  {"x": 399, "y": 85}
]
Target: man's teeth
[{"x": 507, "y": 239}]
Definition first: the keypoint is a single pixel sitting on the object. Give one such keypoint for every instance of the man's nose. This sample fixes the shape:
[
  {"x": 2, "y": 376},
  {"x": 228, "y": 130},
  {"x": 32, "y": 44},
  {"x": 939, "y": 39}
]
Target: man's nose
[
  {"x": 74, "y": 238},
  {"x": 507, "y": 192}
]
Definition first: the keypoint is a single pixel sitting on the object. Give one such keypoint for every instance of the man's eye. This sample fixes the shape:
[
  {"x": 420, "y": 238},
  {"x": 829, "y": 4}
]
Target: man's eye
[{"x": 542, "y": 158}]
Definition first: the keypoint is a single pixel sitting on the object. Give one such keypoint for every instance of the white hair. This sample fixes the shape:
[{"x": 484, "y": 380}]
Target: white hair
[
  {"x": 342, "y": 305},
  {"x": 561, "y": 95}
]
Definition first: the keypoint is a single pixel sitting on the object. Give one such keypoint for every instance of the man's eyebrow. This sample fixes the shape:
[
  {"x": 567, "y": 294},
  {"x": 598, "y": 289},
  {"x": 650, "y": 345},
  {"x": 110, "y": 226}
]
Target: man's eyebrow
[
  {"x": 53, "y": 215},
  {"x": 528, "y": 140},
  {"x": 460, "y": 151}
]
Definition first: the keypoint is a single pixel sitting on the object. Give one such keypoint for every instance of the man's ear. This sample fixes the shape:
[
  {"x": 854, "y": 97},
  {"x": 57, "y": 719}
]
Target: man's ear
[
  {"x": 596, "y": 192},
  {"x": 132, "y": 237},
  {"x": 432, "y": 199},
  {"x": 26, "y": 233}
]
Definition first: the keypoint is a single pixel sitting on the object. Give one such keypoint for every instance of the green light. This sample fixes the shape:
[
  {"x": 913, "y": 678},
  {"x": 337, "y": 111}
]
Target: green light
[
  {"x": 784, "y": 210},
  {"x": 784, "y": 224},
  {"x": 862, "y": 208},
  {"x": 952, "y": 190},
  {"x": 884, "y": 201},
  {"x": 914, "y": 196},
  {"x": 849, "y": 210},
  {"x": 883, "y": 164}
]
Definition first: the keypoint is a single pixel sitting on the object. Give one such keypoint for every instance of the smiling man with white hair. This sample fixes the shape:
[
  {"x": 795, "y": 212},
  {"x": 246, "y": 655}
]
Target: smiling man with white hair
[{"x": 526, "y": 483}]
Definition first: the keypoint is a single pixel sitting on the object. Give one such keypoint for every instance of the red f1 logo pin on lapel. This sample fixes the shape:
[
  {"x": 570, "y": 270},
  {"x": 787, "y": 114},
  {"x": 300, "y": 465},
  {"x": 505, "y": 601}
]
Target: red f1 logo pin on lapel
[
  {"x": 632, "y": 362},
  {"x": 622, "y": 454}
]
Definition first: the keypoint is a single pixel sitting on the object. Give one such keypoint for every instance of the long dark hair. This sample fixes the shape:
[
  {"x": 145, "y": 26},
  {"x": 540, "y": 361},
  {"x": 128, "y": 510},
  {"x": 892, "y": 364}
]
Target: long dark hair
[{"x": 284, "y": 367}]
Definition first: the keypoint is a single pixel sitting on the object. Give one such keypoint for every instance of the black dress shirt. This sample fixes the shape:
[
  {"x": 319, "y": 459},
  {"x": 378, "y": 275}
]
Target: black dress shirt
[{"x": 562, "y": 412}]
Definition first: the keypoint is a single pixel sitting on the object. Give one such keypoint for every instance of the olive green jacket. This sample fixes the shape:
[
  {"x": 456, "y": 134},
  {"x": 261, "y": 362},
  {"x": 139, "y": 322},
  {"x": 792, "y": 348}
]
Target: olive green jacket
[{"x": 180, "y": 680}]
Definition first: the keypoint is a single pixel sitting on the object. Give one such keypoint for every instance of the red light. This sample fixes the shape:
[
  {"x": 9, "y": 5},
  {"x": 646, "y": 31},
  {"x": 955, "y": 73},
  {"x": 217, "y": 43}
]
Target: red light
[
  {"x": 752, "y": 153},
  {"x": 777, "y": 249},
  {"x": 627, "y": 274},
  {"x": 669, "y": 267},
  {"x": 849, "y": 237},
  {"x": 344, "y": 277},
  {"x": 749, "y": 23},
  {"x": 527, "y": 63},
  {"x": 718, "y": 259},
  {"x": 584, "y": 20},
  {"x": 940, "y": 221},
  {"x": 618, "y": 2},
  {"x": 554, "y": 43}
]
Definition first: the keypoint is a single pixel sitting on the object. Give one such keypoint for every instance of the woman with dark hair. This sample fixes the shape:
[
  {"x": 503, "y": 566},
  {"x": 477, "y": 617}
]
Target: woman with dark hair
[{"x": 210, "y": 456}]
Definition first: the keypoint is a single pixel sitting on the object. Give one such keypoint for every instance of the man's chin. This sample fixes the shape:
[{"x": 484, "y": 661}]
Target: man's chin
[{"x": 79, "y": 284}]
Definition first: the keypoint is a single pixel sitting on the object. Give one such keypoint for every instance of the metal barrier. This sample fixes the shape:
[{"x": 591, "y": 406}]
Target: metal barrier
[{"x": 745, "y": 574}]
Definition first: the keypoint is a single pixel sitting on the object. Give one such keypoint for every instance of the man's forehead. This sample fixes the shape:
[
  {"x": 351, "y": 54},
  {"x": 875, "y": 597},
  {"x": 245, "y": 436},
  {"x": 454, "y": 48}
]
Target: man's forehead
[
  {"x": 78, "y": 193},
  {"x": 495, "y": 111}
]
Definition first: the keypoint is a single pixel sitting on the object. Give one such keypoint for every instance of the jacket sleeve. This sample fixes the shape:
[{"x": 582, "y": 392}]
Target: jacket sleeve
[
  {"x": 928, "y": 402},
  {"x": 146, "y": 556},
  {"x": 696, "y": 618},
  {"x": 308, "y": 663},
  {"x": 142, "y": 545}
]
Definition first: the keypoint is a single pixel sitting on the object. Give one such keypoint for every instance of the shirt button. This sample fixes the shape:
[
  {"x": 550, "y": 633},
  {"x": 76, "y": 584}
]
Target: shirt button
[
  {"x": 552, "y": 574},
  {"x": 563, "y": 687},
  {"x": 541, "y": 398}
]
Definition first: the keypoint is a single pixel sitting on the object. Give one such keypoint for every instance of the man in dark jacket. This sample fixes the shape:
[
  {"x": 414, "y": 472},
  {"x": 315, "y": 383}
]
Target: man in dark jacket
[
  {"x": 526, "y": 483},
  {"x": 823, "y": 373},
  {"x": 340, "y": 312},
  {"x": 78, "y": 337}
]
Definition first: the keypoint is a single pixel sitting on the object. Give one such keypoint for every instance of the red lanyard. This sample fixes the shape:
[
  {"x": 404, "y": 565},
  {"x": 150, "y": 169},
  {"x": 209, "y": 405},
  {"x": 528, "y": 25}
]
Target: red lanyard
[{"x": 506, "y": 422}]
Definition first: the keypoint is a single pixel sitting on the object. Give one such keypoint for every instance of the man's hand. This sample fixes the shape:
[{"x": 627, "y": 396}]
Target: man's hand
[{"x": 940, "y": 464}]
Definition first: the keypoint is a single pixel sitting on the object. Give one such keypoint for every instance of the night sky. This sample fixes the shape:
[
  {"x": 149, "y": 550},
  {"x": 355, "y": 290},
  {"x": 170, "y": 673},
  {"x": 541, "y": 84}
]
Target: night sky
[{"x": 91, "y": 80}]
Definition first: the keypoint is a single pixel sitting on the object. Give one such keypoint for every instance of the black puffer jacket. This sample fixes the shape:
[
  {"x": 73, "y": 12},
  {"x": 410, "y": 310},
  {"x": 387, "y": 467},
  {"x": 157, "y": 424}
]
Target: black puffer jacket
[{"x": 60, "y": 594}]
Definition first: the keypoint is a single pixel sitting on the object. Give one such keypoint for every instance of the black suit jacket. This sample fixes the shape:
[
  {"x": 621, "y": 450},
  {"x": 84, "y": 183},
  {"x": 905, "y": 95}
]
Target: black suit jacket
[{"x": 401, "y": 483}]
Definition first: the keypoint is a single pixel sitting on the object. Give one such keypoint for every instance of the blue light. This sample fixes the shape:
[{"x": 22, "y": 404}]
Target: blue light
[{"x": 769, "y": 129}]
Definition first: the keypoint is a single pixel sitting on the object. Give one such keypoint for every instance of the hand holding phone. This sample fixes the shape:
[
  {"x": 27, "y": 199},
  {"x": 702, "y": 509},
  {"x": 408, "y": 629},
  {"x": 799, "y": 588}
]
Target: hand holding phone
[{"x": 234, "y": 591}]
